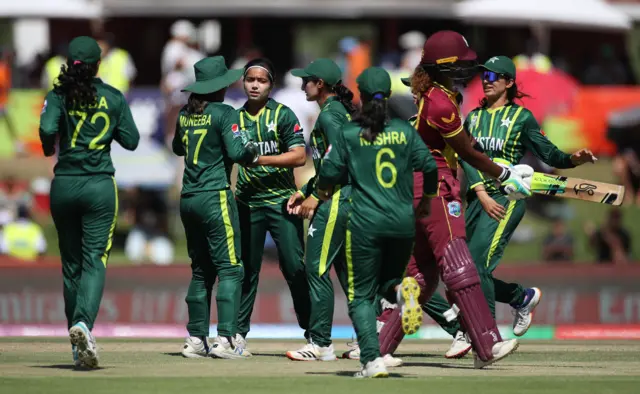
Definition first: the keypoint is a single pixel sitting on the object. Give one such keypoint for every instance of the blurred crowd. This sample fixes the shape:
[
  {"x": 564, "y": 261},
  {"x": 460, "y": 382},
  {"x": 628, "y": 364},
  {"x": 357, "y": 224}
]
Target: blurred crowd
[{"x": 146, "y": 228}]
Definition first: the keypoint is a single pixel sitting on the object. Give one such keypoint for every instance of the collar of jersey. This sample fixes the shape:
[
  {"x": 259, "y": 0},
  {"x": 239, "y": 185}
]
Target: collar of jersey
[
  {"x": 328, "y": 101},
  {"x": 271, "y": 104},
  {"x": 492, "y": 110},
  {"x": 450, "y": 93}
]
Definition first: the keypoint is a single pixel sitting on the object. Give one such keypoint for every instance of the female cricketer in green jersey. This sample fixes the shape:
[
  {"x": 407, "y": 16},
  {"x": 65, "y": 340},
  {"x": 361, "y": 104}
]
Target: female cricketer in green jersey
[
  {"x": 208, "y": 136},
  {"x": 87, "y": 115},
  {"x": 379, "y": 155},
  {"x": 505, "y": 131},
  {"x": 321, "y": 81},
  {"x": 263, "y": 189}
]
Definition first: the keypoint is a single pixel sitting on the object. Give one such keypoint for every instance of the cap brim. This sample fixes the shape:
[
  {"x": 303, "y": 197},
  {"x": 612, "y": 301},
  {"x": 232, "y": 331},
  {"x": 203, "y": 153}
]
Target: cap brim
[
  {"x": 406, "y": 81},
  {"x": 300, "y": 73},
  {"x": 213, "y": 85}
]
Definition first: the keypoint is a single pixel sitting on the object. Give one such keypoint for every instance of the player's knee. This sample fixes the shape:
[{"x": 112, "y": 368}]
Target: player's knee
[
  {"x": 231, "y": 272},
  {"x": 458, "y": 269}
]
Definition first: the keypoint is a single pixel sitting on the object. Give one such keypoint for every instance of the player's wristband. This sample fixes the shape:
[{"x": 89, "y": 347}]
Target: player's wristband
[
  {"x": 505, "y": 174},
  {"x": 313, "y": 195},
  {"x": 301, "y": 193}
]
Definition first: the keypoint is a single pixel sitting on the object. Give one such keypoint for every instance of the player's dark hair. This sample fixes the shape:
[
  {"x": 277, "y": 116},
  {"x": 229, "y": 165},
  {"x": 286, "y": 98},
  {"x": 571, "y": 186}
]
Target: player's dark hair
[
  {"x": 513, "y": 93},
  {"x": 373, "y": 116},
  {"x": 75, "y": 83},
  {"x": 264, "y": 63},
  {"x": 198, "y": 102},
  {"x": 345, "y": 96}
]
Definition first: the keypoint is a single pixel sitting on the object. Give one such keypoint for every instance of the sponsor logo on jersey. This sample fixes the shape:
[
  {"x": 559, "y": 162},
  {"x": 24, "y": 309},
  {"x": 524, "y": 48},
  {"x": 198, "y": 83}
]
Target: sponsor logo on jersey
[
  {"x": 315, "y": 153},
  {"x": 328, "y": 150},
  {"x": 543, "y": 133},
  {"x": 451, "y": 119},
  {"x": 455, "y": 209},
  {"x": 235, "y": 130},
  {"x": 44, "y": 107},
  {"x": 297, "y": 129}
]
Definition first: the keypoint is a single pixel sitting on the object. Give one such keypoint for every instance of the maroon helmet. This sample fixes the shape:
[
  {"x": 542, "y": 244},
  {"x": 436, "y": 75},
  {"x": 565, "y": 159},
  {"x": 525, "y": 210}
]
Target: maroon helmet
[{"x": 448, "y": 52}]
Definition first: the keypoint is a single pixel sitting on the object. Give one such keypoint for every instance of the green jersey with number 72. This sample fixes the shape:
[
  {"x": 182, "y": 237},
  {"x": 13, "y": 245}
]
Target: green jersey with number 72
[{"x": 86, "y": 131}]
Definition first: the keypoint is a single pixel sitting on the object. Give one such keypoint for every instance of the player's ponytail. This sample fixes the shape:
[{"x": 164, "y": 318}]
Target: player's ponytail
[
  {"x": 198, "y": 102},
  {"x": 75, "y": 84},
  {"x": 373, "y": 116},
  {"x": 345, "y": 96},
  {"x": 513, "y": 93}
]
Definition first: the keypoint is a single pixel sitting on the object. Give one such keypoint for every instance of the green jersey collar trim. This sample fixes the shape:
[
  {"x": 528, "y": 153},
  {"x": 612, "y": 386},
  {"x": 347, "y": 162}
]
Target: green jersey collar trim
[
  {"x": 271, "y": 104},
  {"x": 328, "y": 101}
]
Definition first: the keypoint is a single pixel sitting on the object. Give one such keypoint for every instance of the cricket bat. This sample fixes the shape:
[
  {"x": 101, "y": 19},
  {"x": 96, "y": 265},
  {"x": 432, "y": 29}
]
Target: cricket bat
[{"x": 576, "y": 188}]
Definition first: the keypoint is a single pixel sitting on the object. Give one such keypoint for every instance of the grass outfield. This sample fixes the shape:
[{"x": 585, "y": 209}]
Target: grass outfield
[{"x": 42, "y": 365}]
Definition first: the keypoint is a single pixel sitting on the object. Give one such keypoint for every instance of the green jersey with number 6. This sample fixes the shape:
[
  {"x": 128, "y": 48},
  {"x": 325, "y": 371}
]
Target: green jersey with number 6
[
  {"x": 210, "y": 143},
  {"x": 86, "y": 131},
  {"x": 381, "y": 174}
]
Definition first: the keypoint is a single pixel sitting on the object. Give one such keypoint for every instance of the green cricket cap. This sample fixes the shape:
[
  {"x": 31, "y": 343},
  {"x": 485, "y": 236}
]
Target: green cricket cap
[
  {"x": 212, "y": 75},
  {"x": 501, "y": 65},
  {"x": 406, "y": 81},
  {"x": 325, "y": 69},
  {"x": 374, "y": 80},
  {"x": 84, "y": 49}
]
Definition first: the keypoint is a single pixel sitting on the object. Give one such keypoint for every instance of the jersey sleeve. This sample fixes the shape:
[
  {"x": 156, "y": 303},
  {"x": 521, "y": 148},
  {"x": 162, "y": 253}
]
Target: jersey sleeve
[
  {"x": 232, "y": 137},
  {"x": 537, "y": 142},
  {"x": 126, "y": 132},
  {"x": 290, "y": 129},
  {"x": 176, "y": 144},
  {"x": 442, "y": 114},
  {"x": 52, "y": 110},
  {"x": 331, "y": 124},
  {"x": 334, "y": 164},
  {"x": 422, "y": 161}
]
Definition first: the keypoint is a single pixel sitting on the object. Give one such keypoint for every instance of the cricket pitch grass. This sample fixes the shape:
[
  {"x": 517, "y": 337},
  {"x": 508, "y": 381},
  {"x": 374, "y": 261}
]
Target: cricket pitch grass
[{"x": 43, "y": 365}]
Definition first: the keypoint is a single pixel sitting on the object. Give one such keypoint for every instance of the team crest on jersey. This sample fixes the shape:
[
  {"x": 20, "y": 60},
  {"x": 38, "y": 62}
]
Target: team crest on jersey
[
  {"x": 235, "y": 130},
  {"x": 454, "y": 208},
  {"x": 297, "y": 128},
  {"x": 543, "y": 133},
  {"x": 44, "y": 107}
]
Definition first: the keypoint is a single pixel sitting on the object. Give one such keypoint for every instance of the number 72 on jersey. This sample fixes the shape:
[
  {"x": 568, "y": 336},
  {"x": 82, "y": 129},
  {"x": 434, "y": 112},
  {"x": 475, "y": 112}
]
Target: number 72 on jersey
[{"x": 576, "y": 188}]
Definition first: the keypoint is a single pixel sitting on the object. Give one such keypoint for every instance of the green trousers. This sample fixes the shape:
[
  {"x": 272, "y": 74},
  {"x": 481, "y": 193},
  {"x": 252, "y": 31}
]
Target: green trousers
[
  {"x": 325, "y": 247},
  {"x": 375, "y": 265},
  {"x": 210, "y": 221},
  {"x": 84, "y": 210},
  {"x": 288, "y": 234},
  {"x": 487, "y": 240}
]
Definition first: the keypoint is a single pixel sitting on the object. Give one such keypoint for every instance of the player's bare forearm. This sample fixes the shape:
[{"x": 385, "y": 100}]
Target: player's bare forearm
[
  {"x": 296, "y": 157},
  {"x": 461, "y": 144}
]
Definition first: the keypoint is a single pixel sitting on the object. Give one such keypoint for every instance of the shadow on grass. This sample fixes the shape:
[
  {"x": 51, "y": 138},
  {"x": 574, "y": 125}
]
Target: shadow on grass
[
  {"x": 349, "y": 374},
  {"x": 69, "y": 367},
  {"x": 437, "y": 365},
  {"x": 173, "y": 354}
]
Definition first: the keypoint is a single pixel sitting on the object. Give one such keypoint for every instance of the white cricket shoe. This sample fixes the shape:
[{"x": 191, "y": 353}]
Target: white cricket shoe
[
  {"x": 500, "y": 350},
  {"x": 408, "y": 295},
  {"x": 373, "y": 369},
  {"x": 85, "y": 343},
  {"x": 524, "y": 315},
  {"x": 391, "y": 362},
  {"x": 222, "y": 347},
  {"x": 311, "y": 352},
  {"x": 460, "y": 346},
  {"x": 77, "y": 364},
  {"x": 240, "y": 341},
  {"x": 354, "y": 350},
  {"x": 195, "y": 347}
]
